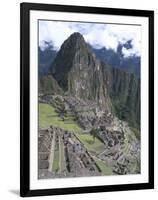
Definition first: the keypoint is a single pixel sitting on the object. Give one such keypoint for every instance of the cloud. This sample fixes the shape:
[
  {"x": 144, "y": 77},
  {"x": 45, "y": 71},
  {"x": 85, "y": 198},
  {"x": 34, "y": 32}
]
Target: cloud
[
  {"x": 97, "y": 35},
  {"x": 53, "y": 31}
]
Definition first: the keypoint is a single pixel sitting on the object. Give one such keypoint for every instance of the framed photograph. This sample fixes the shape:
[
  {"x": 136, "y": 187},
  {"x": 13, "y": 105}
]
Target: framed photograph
[{"x": 87, "y": 99}]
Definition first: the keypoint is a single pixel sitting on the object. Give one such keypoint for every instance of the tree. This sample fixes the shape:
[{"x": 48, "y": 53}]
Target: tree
[
  {"x": 61, "y": 110},
  {"x": 94, "y": 133}
]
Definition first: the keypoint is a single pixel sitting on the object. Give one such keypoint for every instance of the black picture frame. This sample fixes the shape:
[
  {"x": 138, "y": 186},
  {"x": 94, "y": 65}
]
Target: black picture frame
[{"x": 25, "y": 9}]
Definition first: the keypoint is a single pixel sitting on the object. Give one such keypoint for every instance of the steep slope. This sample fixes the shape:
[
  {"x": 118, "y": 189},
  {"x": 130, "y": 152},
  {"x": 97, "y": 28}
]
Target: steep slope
[
  {"x": 45, "y": 59},
  {"x": 124, "y": 91},
  {"x": 125, "y": 96},
  {"x": 48, "y": 85},
  {"x": 117, "y": 60},
  {"x": 79, "y": 72}
]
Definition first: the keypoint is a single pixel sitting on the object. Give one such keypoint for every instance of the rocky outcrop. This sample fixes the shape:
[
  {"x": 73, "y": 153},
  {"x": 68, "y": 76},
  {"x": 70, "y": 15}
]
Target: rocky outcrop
[
  {"x": 79, "y": 72},
  {"x": 61, "y": 154}
]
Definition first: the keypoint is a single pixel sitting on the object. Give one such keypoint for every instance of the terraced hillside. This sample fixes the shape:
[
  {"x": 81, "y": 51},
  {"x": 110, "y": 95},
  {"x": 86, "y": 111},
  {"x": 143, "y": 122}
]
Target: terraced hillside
[{"x": 67, "y": 148}]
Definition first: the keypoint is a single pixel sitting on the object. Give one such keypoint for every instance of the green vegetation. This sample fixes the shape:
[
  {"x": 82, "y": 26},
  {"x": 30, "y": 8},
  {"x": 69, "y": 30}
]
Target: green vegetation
[
  {"x": 94, "y": 133},
  {"x": 136, "y": 132},
  {"x": 48, "y": 116},
  {"x": 105, "y": 169},
  {"x": 48, "y": 85},
  {"x": 125, "y": 97},
  {"x": 93, "y": 146},
  {"x": 55, "y": 167},
  {"x": 123, "y": 112},
  {"x": 61, "y": 155},
  {"x": 60, "y": 108}
]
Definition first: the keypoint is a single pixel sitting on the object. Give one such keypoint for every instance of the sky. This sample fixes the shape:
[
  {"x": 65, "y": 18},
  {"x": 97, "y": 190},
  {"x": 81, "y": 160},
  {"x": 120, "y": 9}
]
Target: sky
[{"x": 97, "y": 35}]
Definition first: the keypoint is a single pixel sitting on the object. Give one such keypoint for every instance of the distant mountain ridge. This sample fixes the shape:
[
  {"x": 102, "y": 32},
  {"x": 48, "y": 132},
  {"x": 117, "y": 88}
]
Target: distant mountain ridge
[
  {"x": 117, "y": 59},
  {"x": 45, "y": 59}
]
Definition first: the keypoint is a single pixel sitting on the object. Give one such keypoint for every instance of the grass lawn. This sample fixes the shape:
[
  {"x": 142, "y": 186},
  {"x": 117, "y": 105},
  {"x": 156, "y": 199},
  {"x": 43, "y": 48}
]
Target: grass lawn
[
  {"x": 61, "y": 155},
  {"x": 94, "y": 146},
  {"x": 106, "y": 170},
  {"x": 136, "y": 132},
  {"x": 48, "y": 116}
]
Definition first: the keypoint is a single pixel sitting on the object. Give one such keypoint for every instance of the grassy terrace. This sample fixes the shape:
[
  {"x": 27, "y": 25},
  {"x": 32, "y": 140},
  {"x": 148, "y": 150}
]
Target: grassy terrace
[
  {"x": 93, "y": 146},
  {"x": 106, "y": 170},
  {"x": 48, "y": 116}
]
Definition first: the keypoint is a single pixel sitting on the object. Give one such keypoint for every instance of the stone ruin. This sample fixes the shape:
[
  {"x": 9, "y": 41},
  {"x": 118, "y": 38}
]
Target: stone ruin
[
  {"x": 119, "y": 153},
  {"x": 73, "y": 159}
]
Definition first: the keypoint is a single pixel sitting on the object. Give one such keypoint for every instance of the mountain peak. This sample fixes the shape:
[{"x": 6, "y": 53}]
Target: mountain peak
[
  {"x": 75, "y": 40},
  {"x": 79, "y": 73},
  {"x": 76, "y": 35}
]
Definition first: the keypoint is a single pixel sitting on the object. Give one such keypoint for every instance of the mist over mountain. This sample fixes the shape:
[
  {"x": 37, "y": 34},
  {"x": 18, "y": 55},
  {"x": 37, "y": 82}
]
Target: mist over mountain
[
  {"x": 117, "y": 59},
  {"x": 45, "y": 58},
  {"x": 114, "y": 58}
]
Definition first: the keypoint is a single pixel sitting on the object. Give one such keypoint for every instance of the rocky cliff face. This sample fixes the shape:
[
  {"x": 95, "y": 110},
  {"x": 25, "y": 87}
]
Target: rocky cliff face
[{"x": 79, "y": 72}]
